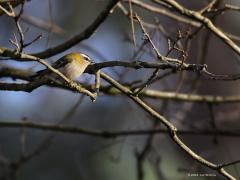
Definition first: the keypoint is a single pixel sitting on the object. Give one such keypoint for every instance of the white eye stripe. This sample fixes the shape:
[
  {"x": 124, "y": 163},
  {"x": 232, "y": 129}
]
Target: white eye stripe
[{"x": 86, "y": 57}]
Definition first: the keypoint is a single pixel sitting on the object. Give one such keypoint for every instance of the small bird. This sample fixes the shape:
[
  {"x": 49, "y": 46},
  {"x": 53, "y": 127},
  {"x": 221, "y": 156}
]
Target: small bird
[{"x": 71, "y": 65}]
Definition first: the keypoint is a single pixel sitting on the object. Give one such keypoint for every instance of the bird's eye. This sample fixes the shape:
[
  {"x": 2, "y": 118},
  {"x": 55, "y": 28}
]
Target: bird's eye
[{"x": 86, "y": 57}]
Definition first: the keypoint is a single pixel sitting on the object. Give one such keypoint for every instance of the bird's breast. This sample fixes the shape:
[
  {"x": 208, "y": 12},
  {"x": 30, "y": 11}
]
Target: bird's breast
[{"x": 73, "y": 70}]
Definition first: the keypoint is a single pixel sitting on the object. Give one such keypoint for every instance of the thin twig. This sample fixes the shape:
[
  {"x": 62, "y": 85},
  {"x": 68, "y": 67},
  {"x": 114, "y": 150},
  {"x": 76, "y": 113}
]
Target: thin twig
[
  {"x": 81, "y": 36},
  {"x": 172, "y": 129},
  {"x": 148, "y": 38},
  {"x": 132, "y": 23},
  {"x": 108, "y": 134}
]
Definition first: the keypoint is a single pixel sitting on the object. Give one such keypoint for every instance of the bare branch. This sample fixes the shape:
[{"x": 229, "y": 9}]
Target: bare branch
[
  {"x": 107, "y": 134},
  {"x": 172, "y": 129},
  {"x": 205, "y": 21},
  {"x": 81, "y": 36}
]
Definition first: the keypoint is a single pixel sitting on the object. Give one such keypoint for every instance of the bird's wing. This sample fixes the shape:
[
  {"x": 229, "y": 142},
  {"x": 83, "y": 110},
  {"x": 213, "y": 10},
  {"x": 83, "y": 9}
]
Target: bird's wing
[
  {"x": 57, "y": 65},
  {"x": 61, "y": 62}
]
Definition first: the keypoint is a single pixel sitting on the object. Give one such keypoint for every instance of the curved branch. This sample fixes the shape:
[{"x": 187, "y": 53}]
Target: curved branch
[
  {"x": 172, "y": 15},
  {"x": 171, "y": 128},
  {"x": 205, "y": 21},
  {"x": 108, "y": 134},
  {"x": 14, "y": 3},
  {"x": 80, "y": 37}
]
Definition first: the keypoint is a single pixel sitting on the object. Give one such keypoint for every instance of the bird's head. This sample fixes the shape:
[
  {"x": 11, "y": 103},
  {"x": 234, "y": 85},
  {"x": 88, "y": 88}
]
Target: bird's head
[{"x": 80, "y": 57}]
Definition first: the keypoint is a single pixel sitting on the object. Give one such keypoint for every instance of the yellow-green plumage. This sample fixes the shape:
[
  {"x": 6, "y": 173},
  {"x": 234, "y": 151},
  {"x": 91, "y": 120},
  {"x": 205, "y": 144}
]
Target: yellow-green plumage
[{"x": 71, "y": 65}]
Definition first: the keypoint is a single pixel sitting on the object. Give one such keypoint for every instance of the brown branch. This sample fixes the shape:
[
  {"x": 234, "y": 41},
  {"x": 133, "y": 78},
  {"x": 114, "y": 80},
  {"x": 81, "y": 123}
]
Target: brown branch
[
  {"x": 155, "y": 94},
  {"x": 205, "y": 21},
  {"x": 182, "y": 19},
  {"x": 81, "y": 36},
  {"x": 148, "y": 38},
  {"x": 132, "y": 23},
  {"x": 108, "y": 134},
  {"x": 159, "y": 56},
  {"x": 229, "y": 164},
  {"x": 147, "y": 93},
  {"x": 231, "y": 7},
  {"x": 13, "y": 3},
  {"x": 137, "y": 64},
  {"x": 222, "y": 77},
  {"x": 29, "y": 87},
  {"x": 171, "y": 128},
  {"x": 170, "y": 63},
  {"x": 166, "y": 13},
  {"x": 19, "y": 28},
  {"x": 16, "y": 17},
  {"x": 208, "y": 7}
]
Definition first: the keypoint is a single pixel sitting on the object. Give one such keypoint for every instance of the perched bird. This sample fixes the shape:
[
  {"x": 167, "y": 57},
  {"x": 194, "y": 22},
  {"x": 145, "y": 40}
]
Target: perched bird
[{"x": 71, "y": 65}]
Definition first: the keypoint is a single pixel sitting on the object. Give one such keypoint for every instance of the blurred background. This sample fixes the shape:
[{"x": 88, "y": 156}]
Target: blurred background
[{"x": 71, "y": 156}]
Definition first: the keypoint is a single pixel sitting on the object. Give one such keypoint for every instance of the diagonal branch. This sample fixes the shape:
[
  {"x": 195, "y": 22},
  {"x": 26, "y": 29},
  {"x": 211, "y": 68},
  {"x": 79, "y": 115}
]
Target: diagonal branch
[
  {"x": 171, "y": 128},
  {"x": 204, "y": 20},
  {"x": 80, "y": 37},
  {"x": 14, "y": 54}
]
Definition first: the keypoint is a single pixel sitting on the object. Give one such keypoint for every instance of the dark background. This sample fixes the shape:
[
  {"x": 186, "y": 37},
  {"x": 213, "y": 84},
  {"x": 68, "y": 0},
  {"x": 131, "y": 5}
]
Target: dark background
[{"x": 71, "y": 156}]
